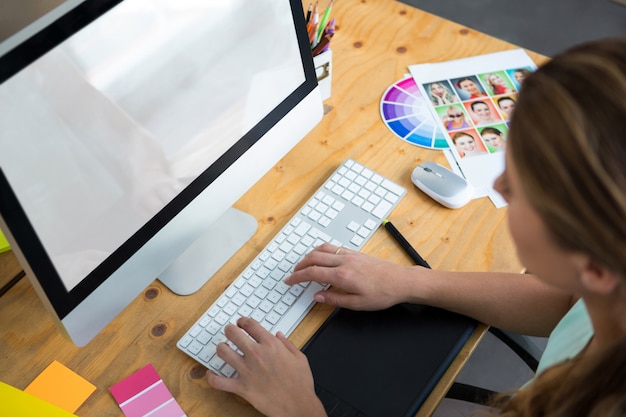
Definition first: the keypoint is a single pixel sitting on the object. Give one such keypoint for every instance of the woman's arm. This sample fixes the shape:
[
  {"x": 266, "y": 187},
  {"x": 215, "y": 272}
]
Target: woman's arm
[{"x": 516, "y": 302}]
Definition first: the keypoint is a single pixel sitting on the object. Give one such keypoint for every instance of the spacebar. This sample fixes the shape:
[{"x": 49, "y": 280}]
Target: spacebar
[{"x": 296, "y": 313}]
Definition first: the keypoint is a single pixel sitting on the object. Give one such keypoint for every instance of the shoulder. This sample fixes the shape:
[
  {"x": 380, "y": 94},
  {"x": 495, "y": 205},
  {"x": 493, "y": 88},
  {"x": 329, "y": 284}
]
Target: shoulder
[{"x": 569, "y": 337}]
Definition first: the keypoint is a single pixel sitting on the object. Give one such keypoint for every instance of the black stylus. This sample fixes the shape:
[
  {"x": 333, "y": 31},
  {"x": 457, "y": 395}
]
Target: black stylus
[{"x": 405, "y": 244}]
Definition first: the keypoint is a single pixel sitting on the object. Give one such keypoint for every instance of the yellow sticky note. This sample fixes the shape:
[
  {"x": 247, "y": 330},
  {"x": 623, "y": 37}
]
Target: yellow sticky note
[
  {"x": 16, "y": 403},
  {"x": 61, "y": 386},
  {"x": 4, "y": 244}
]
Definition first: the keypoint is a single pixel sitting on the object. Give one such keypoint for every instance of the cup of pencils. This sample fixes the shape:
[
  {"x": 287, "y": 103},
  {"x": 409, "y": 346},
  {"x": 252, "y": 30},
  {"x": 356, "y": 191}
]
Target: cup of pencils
[{"x": 321, "y": 29}]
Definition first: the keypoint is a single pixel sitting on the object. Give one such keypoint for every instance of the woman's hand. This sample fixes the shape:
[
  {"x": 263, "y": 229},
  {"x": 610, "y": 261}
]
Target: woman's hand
[
  {"x": 366, "y": 282},
  {"x": 273, "y": 375}
]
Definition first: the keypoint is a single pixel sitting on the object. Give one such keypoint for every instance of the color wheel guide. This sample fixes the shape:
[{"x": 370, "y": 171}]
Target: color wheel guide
[{"x": 407, "y": 114}]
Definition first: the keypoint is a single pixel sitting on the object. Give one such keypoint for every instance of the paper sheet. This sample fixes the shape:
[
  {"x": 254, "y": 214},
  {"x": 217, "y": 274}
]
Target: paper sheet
[
  {"x": 17, "y": 403},
  {"x": 143, "y": 393},
  {"x": 471, "y": 100},
  {"x": 61, "y": 386}
]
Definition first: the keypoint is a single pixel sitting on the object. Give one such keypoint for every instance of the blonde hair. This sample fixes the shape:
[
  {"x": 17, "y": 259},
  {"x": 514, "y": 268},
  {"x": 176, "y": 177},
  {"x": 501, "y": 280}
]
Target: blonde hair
[
  {"x": 447, "y": 97},
  {"x": 568, "y": 141}
]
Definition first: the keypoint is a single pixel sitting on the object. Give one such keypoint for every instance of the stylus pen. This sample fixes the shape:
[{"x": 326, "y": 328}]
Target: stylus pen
[{"x": 405, "y": 244}]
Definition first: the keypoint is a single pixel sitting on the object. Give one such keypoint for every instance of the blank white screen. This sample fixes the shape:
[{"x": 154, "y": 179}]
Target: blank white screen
[{"x": 102, "y": 132}]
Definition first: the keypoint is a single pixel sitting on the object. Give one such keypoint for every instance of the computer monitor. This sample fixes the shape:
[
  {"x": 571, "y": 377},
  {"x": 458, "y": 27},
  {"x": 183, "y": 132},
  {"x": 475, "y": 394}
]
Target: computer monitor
[{"x": 128, "y": 130}]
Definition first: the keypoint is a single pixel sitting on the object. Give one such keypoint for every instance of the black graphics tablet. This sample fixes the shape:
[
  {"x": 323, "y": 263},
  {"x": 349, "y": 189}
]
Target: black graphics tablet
[{"x": 384, "y": 363}]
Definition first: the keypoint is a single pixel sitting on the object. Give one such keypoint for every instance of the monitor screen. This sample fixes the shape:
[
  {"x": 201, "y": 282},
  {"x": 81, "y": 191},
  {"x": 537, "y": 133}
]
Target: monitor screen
[{"x": 129, "y": 127}]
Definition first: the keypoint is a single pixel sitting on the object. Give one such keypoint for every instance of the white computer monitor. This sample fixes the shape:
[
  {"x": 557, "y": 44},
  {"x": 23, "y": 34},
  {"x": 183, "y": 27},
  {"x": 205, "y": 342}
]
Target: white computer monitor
[{"x": 128, "y": 130}]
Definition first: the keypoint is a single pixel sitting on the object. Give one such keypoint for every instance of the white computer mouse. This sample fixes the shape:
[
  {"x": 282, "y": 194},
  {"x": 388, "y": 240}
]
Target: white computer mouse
[{"x": 442, "y": 185}]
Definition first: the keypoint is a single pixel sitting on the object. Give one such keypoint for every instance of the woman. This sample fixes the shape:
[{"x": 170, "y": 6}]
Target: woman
[
  {"x": 521, "y": 74},
  {"x": 497, "y": 84},
  {"x": 439, "y": 94},
  {"x": 482, "y": 113},
  {"x": 454, "y": 119},
  {"x": 494, "y": 138},
  {"x": 465, "y": 144},
  {"x": 507, "y": 105},
  {"x": 471, "y": 88},
  {"x": 565, "y": 183}
]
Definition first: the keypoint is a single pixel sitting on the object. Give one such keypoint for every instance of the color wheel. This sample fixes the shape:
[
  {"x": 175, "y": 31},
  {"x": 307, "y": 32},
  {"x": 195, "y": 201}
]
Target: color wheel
[{"x": 407, "y": 114}]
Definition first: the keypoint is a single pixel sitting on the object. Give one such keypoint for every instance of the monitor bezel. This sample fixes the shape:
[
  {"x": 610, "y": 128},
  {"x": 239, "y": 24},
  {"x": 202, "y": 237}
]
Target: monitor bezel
[{"x": 14, "y": 220}]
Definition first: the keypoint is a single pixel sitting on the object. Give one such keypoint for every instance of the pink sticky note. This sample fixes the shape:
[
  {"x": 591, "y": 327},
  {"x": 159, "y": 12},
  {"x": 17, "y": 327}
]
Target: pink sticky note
[{"x": 145, "y": 392}]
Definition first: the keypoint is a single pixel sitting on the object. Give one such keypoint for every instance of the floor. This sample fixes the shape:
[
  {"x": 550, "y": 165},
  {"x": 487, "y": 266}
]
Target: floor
[
  {"x": 547, "y": 27},
  {"x": 16, "y": 14},
  {"x": 494, "y": 366}
]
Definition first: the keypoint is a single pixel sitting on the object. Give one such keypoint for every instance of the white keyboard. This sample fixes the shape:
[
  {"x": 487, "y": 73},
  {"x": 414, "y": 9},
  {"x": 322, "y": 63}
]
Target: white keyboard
[{"x": 345, "y": 211}]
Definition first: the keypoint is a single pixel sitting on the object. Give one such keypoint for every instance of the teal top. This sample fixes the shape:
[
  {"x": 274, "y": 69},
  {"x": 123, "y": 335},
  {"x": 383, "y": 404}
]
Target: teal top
[{"x": 568, "y": 338}]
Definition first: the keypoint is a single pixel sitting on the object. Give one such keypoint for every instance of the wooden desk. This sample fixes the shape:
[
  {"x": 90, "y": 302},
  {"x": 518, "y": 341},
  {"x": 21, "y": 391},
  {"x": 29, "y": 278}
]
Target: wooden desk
[{"x": 375, "y": 42}]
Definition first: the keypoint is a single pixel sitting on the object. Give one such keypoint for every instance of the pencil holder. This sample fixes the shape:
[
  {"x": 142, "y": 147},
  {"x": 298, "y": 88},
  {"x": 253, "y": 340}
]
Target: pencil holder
[{"x": 324, "y": 70}]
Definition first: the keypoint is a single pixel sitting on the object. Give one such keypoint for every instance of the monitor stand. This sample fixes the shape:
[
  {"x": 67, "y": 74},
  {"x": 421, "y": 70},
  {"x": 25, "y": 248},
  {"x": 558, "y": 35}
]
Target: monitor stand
[{"x": 191, "y": 270}]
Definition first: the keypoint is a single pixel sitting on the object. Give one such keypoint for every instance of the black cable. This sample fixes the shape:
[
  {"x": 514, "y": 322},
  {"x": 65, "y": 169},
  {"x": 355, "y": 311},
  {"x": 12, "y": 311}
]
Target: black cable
[{"x": 12, "y": 282}]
